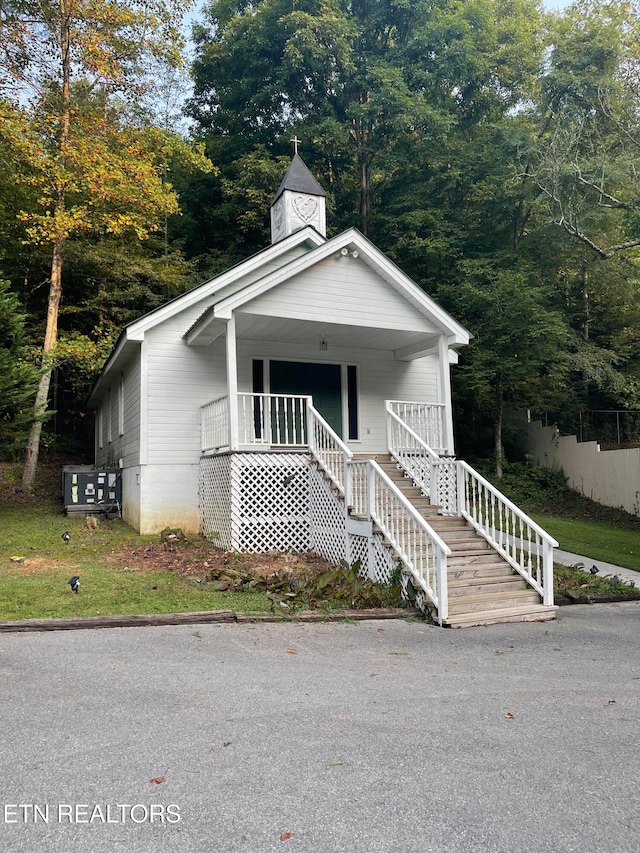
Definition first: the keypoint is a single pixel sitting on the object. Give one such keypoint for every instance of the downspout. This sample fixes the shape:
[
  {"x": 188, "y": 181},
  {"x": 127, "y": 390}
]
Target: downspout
[
  {"x": 232, "y": 383},
  {"x": 444, "y": 393}
]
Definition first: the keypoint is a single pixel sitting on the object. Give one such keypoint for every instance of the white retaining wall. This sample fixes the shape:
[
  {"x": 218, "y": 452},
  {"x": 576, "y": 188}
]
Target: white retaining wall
[{"x": 610, "y": 477}]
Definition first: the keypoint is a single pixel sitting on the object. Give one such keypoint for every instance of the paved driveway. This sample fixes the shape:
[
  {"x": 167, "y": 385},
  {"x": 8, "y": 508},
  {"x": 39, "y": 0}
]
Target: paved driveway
[{"x": 378, "y": 736}]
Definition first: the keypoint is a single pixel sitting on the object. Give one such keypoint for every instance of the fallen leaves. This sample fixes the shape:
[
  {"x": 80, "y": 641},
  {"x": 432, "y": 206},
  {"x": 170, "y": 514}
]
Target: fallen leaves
[
  {"x": 509, "y": 715},
  {"x": 157, "y": 781},
  {"x": 292, "y": 652},
  {"x": 286, "y": 836}
]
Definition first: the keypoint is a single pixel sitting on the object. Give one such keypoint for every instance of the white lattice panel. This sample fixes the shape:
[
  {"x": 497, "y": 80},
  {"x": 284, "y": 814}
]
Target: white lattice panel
[
  {"x": 328, "y": 524},
  {"x": 384, "y": 560},
  {"x": 270, "y": 502},
  {"x": 447, "y": 488},
  {"x": 215, "y": 499}
]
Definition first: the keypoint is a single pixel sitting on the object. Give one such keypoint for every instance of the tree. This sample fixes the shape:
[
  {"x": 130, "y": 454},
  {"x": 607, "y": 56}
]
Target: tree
[
  {"x": 73, "y": 69},
  {"x": 589, "y": 117},
  {"x": 18, "y": 376}
]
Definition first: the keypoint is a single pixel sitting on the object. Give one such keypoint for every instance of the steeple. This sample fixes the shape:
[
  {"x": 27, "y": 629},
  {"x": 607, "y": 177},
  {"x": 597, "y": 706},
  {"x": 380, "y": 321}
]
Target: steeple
[{"x": 300, "y": 201}]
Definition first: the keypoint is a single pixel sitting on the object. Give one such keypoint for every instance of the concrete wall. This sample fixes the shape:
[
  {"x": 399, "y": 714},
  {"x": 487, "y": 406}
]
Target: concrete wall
[{"x": 610, "y": 477}]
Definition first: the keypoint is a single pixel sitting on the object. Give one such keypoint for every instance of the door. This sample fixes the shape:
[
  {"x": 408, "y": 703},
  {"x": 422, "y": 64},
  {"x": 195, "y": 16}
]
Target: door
[{"x": 321, "y": 381}]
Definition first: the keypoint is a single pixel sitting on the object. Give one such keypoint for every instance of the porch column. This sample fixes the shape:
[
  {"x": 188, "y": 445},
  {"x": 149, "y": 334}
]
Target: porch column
[
  {"x": 232, "y": 382},
  {"x": 444, "y": 392}
]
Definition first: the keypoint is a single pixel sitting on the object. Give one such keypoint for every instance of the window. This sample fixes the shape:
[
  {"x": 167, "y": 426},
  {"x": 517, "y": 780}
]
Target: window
[
  {"x": 352, "y": 402},
  {"x": 121, "y": 406}
]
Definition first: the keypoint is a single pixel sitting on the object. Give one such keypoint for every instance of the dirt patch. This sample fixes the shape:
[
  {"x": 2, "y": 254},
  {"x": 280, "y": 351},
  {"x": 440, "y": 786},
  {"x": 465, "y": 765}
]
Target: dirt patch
[
  {"x": 31, "y": 566},
  {"x": 198, "y": 558}
]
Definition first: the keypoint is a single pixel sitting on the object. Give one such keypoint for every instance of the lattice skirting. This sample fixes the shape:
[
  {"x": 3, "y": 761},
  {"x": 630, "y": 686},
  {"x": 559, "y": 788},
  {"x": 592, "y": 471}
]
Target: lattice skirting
[
  {"x": 256, "y": 502},
  {"x": 259, "y": 502},
  {"x": 215, "y": 500}
]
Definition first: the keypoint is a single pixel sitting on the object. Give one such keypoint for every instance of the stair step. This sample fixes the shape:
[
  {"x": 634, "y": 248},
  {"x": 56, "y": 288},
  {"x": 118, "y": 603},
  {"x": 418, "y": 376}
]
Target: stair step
[
  {"x": 468, "y": 546},
  {"x": 489, "y": 585},
  {"x": 479, "y": 571},
  {"x": 538, "y": 613},
  {"x": 458, "y": 561},
  {"x": 481, "y": 602}
]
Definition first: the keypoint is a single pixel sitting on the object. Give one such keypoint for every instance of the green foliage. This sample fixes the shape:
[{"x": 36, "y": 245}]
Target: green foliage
[
  {"x": 290, "y": 592},
  {"x": 18, "y": 376}
]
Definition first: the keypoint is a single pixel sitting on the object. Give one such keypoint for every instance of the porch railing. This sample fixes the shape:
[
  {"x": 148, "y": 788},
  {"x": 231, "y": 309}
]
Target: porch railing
[
  {"x": 214, "y": 420},
  {"x": 525, "y": 545},
  {"x": 373, "y": 495},
  {"x": 425, "y": 419},
  {"x": 277, "y": 420}
]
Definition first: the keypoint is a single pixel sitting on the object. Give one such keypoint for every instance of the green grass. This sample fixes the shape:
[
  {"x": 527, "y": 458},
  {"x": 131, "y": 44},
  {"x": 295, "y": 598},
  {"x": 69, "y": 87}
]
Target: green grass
[
  {"x": 36, "y": 586},
  {"x": 580, "y": 525},
  {"x": 595, "y": 539}
]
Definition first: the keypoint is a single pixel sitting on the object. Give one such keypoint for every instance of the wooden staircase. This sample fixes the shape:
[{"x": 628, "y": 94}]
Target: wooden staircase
[{"x": 483, "y": 588}]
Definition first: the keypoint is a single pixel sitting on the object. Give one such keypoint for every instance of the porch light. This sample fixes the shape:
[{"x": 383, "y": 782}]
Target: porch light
[
  {"x": 344, "y": 252},
  {"x": 324, "y": 346}
]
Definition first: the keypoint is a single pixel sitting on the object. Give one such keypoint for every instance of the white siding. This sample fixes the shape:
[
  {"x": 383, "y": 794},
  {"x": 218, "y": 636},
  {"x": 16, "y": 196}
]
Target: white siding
[
  {"x": 341, "y": 290},
  {"x": 125, "y": 446},
  {"x": 180, "y": 379}
]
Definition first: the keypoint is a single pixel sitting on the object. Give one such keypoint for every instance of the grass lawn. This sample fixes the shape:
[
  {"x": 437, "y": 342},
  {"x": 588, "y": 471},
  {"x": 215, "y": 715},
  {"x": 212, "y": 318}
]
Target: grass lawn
[
  {"x": 597, "y": 539},
  {"x": 36, "y": 564}
]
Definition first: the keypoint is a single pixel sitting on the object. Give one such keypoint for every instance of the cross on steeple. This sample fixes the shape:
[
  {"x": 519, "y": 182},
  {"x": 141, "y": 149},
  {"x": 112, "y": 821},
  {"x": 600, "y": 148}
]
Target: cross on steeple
[{"x": 296, "y": 142}]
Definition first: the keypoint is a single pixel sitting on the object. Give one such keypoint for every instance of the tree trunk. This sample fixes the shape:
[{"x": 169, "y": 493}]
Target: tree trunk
[
  {"x": 50, "y": 340},
  {"x": 55, "y": 288},
  {"x": 499, "y": 452}
]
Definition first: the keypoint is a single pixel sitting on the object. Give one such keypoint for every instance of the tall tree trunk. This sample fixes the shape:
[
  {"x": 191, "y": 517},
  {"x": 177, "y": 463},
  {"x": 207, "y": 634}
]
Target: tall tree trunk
[
  {"x": 50, "y": 340},
  {"x": 55, "y": 288},
  {"x": 499, "y": 451}
]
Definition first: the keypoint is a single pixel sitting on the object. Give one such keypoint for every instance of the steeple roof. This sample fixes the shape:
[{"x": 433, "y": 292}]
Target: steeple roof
[{"x": 299, "y": 179}]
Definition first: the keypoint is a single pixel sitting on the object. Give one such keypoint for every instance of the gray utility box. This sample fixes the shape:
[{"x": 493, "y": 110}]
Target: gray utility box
[{"x": 87, "y": 489}]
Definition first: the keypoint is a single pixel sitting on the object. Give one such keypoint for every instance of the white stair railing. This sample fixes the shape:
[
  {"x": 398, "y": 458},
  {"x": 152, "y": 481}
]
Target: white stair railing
[
  {"x": 373, "y": 495},
  {"x": 435, "y": 475},
  {"x": 327, "y": 447},
  {"x": 425, "y": 419},
  {"x": 523, "y": 543}
]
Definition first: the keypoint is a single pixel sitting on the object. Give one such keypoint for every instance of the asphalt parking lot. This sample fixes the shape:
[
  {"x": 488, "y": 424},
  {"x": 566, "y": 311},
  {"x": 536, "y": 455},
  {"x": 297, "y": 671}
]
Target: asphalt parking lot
[{"x": 375, "y": 736}]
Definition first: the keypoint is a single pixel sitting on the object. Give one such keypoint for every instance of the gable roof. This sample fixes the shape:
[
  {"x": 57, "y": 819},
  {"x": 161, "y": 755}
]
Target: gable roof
[
  {"x": 133, "y": 333},
  {"x": 351, "y": 242}
]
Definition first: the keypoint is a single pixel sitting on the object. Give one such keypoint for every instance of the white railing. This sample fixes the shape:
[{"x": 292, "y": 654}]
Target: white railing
[
  {"x": 525, "y": 545},
  {"x": 273, "y": 420},
  {"x": 214, "y": 424},
  {"x": 427, "y": 420},
  {"x": 327, "y": 447},
  {"x": 435, "y": 475},
  {"x": 457, "y": 489},
  {"x": 373, "y": 495}
]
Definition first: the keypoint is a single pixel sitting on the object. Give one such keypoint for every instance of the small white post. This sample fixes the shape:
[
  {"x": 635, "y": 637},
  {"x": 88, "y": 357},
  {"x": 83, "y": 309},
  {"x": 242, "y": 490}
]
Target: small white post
[
  {"x": 547, "y": 569},
  {"x": 443, "y": 592},
  {"x": 461, "y": 489}
]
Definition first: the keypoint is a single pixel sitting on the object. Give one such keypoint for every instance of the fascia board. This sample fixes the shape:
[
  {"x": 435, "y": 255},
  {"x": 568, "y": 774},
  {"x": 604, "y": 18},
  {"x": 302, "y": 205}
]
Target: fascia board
[{"x": 137, "y": 329}]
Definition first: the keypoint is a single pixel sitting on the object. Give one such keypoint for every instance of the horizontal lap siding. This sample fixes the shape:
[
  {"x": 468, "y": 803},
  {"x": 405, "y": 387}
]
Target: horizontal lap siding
[
  {"x": 127, "y": 445},
  {"x": 343, "y": 290},
  {"x": 180, "y": 379}
]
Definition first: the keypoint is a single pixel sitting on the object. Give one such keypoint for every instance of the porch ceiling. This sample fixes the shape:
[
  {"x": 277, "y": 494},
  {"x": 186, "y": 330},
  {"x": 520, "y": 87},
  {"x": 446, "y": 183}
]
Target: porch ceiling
[{"x": 261, "y": 328}]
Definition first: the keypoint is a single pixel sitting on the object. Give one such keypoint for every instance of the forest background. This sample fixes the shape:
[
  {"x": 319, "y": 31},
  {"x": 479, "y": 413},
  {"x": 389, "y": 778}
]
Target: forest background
[{"x": 489, "y": 147}]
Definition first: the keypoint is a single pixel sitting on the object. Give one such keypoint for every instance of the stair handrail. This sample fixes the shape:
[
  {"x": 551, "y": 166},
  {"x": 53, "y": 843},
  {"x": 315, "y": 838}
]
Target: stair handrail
[
  {"x": 417, "y": 459},
  {"x": 504, "y": 525},
  {"x": 409, "y": 534},
  {"x": 328, "y": 448}
]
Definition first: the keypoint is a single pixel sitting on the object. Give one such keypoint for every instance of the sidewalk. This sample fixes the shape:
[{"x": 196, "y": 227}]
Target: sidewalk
[{"x": 568, "y": 559}]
